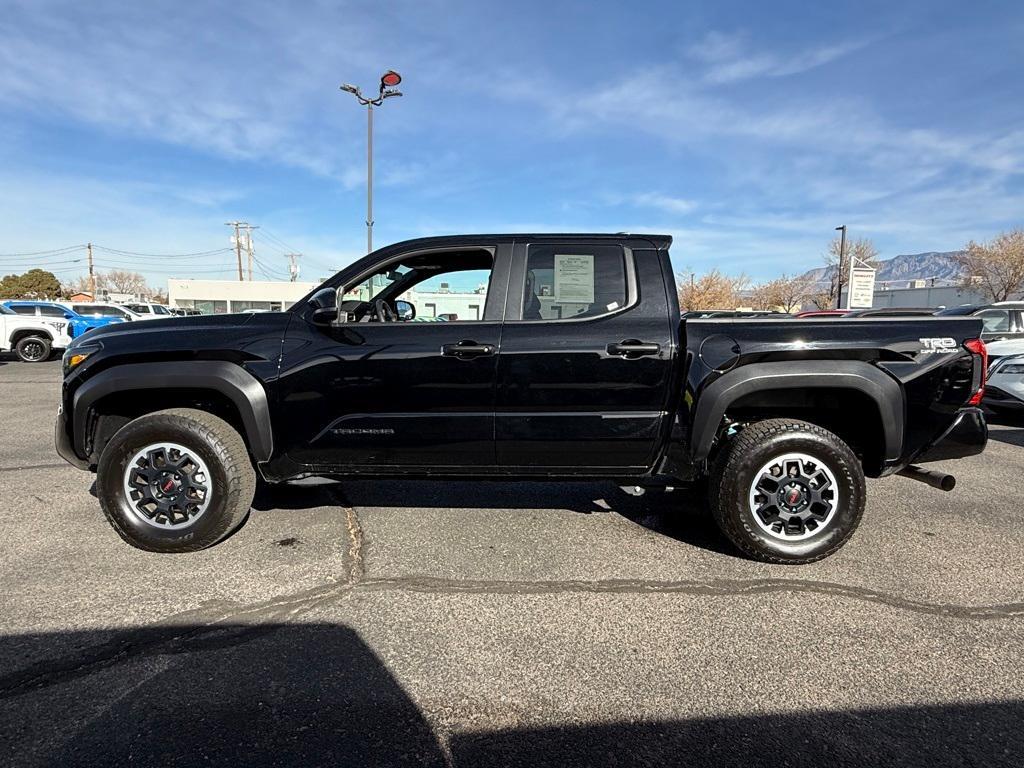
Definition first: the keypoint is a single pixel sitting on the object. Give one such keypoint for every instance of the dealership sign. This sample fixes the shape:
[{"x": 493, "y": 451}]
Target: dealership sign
[{"x": 862, "y": 288}]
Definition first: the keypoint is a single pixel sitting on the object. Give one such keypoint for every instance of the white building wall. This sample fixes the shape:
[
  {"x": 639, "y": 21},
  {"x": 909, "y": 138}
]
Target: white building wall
[{"x": 221, "y": 296}]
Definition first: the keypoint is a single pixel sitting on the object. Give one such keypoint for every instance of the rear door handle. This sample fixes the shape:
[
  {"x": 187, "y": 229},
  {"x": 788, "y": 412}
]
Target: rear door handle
[
  {"x": 466, "y": 349},
  {"x": 632, "y": 348}
]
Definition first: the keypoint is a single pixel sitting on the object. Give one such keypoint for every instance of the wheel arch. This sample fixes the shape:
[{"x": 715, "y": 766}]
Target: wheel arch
[
  {"x": 21, "y": 333},
  {"x": 222, "y": 387},
  {"x": 770, "y": 388}
]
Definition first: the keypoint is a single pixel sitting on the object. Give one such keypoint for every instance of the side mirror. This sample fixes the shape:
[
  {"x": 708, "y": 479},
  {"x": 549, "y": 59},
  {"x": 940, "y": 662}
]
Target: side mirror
[
  {"x": 68, "y": 316},
  {"x": 325, "y": 298},
  {"x": 406, "y": 311}
]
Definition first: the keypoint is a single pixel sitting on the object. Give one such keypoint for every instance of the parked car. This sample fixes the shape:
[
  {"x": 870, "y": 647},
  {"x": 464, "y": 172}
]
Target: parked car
[
  {"x": 891, "y": 312},
  {"x": 703, "y": 313},
  {"x": 822, "y": 313},
  {"x": 30, "y": 338},
  {"x": 1004, "y": 321},
  {"x": 184, "y": 311},
  {"x": 148, "y": 310},
  {"x": 580, "y": 367},
  {"x": 60, "y": 316},
  {"x": 1004, "y": 390},
  {"x": 102, "y": 309}
]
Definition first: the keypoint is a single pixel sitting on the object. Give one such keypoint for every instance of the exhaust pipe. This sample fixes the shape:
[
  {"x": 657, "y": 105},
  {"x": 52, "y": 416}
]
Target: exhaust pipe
[{"x": 939, "y": 480}]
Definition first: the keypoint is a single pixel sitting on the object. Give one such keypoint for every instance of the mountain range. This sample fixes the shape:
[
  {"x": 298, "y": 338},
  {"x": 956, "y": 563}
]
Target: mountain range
[{"x": 904, "y": 268}]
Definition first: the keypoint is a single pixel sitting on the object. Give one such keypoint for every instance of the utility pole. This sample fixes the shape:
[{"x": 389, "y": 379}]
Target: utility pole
[
  {"x": 248, "y": 246},
  {"x": 238, "y": 244},
  {"x": 293, "y": 266},
  {"x": 839, "y": 276},
  {"x": 388, "y": 81},
  {"x": 92, "y": 276}
]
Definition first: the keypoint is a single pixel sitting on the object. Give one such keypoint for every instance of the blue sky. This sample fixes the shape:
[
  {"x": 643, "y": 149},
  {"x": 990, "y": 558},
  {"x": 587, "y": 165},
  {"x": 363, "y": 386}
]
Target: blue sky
[{"x": 747, "y": 130}]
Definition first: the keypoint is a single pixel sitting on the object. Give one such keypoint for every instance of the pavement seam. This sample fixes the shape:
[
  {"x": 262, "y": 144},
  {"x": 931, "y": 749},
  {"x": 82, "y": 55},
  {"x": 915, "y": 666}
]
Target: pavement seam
[
  {"x": 59, "y": 465},
  {"x": 715, "y": 588}
]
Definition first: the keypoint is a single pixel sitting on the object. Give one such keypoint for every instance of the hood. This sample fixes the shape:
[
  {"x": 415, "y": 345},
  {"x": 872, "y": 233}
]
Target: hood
[{"x": 189, "y": 323}]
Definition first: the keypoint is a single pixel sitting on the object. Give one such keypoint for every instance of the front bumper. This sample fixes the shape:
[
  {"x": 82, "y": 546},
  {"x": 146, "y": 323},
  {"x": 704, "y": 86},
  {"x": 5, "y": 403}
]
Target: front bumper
[
  {"x": 967, "y": 436},
  {"x": 63, "y": 441}
]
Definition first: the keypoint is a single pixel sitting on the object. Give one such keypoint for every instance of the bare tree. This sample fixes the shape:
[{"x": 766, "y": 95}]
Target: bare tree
[
  {"x": 998, "y": 265},
  {"x": 783, "y": 293},
  {"x": 865, "y": 253},
  {"x": 712, "y": 290},
  {"x": 123, "y": 281}
]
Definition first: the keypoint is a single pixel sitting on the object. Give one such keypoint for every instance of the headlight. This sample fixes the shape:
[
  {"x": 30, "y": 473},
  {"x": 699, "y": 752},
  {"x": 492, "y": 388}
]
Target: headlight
[
  {"x": 74, "y": 356},
  {"x": 1017, "y": 368}
]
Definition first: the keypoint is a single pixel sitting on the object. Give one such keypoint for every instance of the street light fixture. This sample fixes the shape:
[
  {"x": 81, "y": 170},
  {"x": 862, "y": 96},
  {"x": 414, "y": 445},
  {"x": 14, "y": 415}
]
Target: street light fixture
[
  {"x": 842, "y": 251},
  {"x": 388, "y": 81}
]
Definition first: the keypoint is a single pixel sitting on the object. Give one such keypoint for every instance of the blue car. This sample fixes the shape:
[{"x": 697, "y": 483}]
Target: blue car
[{"x": 58, "y": 316}]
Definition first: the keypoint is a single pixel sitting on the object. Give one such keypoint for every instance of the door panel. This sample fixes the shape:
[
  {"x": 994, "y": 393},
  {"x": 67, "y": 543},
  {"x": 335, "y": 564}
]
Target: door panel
[
  {"x": 383, "y": 394},
  {"x": 585, "y": 392}
]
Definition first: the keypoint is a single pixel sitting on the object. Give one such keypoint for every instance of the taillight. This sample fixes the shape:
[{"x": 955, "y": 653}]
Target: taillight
[{"x": 977, "y": 348}]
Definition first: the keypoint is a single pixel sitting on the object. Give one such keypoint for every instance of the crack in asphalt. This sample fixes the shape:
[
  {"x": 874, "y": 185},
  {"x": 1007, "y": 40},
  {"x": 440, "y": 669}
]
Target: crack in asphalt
[
  {"x": 59, "y": 465},
  {"x": 713, "y": 588}
]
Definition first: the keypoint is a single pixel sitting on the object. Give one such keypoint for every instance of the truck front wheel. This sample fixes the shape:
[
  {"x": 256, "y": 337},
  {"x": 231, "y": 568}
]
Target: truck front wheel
[
  {"x": 787, "y": 491},
  {"x": 177, "y": 480}
]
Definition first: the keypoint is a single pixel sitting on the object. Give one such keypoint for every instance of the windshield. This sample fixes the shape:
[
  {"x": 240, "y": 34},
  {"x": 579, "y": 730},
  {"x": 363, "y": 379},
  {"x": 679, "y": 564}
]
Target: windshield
[
  {"x": 5, "y": 310},
  {"x": 160, "y": 309}
]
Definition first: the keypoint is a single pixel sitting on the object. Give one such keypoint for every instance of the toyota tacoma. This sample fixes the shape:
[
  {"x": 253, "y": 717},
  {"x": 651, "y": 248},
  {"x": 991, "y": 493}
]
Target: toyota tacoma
[{"x": 562, "y": 357}]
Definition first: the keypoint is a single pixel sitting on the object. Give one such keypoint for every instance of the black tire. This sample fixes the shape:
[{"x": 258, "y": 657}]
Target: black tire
[
  {"x": 33, "y": 349},
  {"x": 733, "y": 495},
  {"x": 231, "y": 482}
]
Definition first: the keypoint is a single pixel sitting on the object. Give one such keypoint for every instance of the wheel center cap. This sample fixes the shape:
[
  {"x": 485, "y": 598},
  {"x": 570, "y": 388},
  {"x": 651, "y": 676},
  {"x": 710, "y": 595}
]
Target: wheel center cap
[
  {"x": 792, "y": 496},
  {"x": 168, "y": 484}
]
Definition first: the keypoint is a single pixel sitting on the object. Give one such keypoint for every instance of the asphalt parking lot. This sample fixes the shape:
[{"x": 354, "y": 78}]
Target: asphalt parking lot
[{"x": 458, "y": 624}]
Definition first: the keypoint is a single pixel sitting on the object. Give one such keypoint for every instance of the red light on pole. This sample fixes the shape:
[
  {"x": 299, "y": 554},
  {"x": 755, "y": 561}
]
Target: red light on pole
[{"x": 390, "y": 79}]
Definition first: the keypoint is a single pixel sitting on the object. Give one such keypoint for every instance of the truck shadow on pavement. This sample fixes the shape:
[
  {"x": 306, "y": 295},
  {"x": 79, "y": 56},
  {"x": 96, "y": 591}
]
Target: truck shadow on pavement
[
  {"x": 681, "y": 515},
  {"x": 315, "y": 694}
]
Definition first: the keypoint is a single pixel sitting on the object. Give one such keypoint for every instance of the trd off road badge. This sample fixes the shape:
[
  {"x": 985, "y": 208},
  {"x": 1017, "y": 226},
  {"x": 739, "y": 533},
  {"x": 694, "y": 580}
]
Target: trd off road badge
[{"x": 942, "y": 345}]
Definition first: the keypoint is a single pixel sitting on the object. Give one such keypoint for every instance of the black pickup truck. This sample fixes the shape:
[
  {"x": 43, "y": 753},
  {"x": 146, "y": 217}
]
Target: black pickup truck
[{"x": 559, "y": 356}]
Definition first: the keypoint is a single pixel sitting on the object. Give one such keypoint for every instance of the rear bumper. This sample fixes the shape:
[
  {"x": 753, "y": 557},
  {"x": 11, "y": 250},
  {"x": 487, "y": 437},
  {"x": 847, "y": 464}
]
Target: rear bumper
[
  {"x": 63, "y": 442},
  {"x": 967, "y": 436}
]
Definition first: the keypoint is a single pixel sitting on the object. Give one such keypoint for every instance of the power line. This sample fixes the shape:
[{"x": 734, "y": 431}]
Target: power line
[
  {"x": 54, "y": 251},
  {"x": 163, "y": 255}
]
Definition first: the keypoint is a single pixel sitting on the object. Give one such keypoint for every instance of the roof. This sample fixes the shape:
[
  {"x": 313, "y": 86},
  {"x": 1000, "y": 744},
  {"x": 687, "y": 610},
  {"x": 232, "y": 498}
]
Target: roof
[{"x": 659, "y": 241}]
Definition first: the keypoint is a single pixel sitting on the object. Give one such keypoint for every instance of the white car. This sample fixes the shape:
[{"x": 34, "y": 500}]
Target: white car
[
  {"x": 102, "y": 309},
  {"x": 149, "y": 311},
  {"x": 1004, "y": 390},
  {"x": 31, "y": 339}
]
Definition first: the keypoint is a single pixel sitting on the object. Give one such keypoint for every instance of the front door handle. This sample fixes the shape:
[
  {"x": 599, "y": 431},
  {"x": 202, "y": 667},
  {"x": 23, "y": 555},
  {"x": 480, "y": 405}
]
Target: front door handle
[
  {"x": 466, "y": 349},
  {"x": 631, "y": 348}
]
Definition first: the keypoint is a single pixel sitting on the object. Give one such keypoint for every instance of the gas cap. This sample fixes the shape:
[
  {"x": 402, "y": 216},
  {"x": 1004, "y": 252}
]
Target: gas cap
[{"x": 719, "y": 352}]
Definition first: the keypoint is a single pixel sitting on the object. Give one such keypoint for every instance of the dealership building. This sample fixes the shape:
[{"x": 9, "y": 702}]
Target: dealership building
[{"x": 217, "y": 297}]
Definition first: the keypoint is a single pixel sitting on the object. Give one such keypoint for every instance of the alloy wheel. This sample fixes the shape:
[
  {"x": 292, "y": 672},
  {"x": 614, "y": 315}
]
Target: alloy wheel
[{"x": 167, "y": 486}]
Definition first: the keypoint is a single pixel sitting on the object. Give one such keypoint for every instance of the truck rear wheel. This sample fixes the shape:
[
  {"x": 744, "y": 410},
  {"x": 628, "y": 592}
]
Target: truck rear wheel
[
  {"x": 177, "y": 480},
  {"x": 787, "y": 491},
  {"x": 33, "y": 349}
]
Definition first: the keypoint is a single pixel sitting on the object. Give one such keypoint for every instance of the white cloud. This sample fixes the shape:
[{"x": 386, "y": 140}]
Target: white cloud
[{"x": 730, "y": 58}]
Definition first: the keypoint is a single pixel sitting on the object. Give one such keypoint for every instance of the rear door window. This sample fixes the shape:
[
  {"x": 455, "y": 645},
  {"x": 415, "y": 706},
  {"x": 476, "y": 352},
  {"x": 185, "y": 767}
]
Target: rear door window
[{"x": 565, "y": 282}]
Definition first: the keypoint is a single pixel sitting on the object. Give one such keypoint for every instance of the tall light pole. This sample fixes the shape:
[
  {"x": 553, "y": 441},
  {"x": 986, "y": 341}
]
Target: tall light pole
[
  {"x": 842, "y": 251},
  {"x": 388, "y": 81}
]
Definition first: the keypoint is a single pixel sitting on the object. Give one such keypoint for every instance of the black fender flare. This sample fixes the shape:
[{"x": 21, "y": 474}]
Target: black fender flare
[
  {"x": 863, "y": 377},
  {"x": 223, "y": 377}
]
